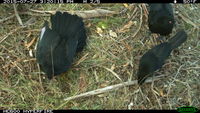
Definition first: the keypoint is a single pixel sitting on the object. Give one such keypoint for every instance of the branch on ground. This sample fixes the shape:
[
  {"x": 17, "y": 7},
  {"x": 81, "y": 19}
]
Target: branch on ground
[
  {"x": 110, "y": 88},
  {"x": 84, "y": 14}
]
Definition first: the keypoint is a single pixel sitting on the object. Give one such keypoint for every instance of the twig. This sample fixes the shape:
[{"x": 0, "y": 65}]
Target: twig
[
  {"x": 28, "y": 60},
  {"x": 170, "y": 85},
  {"x": 17, "y": 15},
  {"x": 133, "y": 15},
  {"x": 83, "y": 14},
  {"x": 140, "y": 24},
  {"x": 6, "y": 36},
  {"x": 155, "y": 94},
  {"x": 110, "y": 88},
  {"x": 28, "y": 23},
  {"x": 34, "y": 14},
  {"x": 28, "y": 45},
  {"x": 129, "y": 23},
  {"x": 188, "y": 21},
  {"x": 38, "y": 11},
  {"x": 145, "y": 10},
  {"x": 15, "y": 65},
  {"x": 31, "y": 30},
  {"x": 115, "y": 74},
  {"x": 81, "y": 59},
  {"x": 7, "y": 18}
]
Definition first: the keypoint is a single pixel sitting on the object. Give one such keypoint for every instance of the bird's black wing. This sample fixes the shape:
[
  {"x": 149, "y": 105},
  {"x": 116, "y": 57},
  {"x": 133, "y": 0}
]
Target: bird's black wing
[
  {"x": 45, "y": 48},
  {"x": 70, "y": 26}
]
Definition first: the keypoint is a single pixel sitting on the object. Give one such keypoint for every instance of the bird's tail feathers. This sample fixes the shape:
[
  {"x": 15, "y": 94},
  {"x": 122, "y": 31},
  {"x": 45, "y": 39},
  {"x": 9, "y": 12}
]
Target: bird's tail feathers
[
  {"x": 66, "y": 24},
  {"x": 178, "y": 39}
]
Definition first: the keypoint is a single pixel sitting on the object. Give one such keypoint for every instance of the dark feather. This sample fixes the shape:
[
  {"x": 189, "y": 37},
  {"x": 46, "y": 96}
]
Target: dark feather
[
  {"x": 58, "y": 45},
  {"x": 155, "y": 57},
  {"x": 161, "y": 18}
]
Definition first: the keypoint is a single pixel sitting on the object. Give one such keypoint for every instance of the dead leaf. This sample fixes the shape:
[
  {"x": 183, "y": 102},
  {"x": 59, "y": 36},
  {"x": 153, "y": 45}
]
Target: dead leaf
[
  {"x": 113, "y": 34},
  {"x": 128, "y": 47},
  {"x": 125, "y": 5},
  {"x": 30, "y": 43},
  {"x": 161, "y": 93},
  {"x": 125, "y": 65},
  {"x": 31, "y": 53},
  {"x": 102, "y": 95},
  {"x": 88, "y": 25},
  {"x": 95, "y": 56},
  {"x": 82, "y": 82},
  {"x": 99, "y": 31},
  {"x": 126, "y": 27},
  {"x": 105, "y": 84},
  {"x": 112, "y": 67}
]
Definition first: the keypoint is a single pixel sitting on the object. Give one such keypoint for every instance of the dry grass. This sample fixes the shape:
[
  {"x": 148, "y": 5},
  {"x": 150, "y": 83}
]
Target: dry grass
[{"x": 23, "y": 86}]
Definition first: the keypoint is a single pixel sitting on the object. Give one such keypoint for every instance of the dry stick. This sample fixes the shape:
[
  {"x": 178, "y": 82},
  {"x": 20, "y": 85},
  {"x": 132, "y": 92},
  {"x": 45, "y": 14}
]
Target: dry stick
[
  {"x": 7, "y": 18},
  {"x": 83, "y": 14},
  {"x": 34, "y": 14},
  {"x": 141, "y": 15},
  {"x": 155, "y": 94},
  {"x": 28, "y": 45},
  {"x": 40, "y": 79},
  {"x": 188, "y": 21},
  {"x": 29, "y": 22},
  {"x": 6, "y": 36},
  {"x": 81, "y": 59},
  {"x": 110, "y": 88},
  {"x": 145, "y": 10},
  {"x": 17, "y": 15},
  {"x": 133, "y": 15},
  {"x": 115, "y": 74},
  {"x": 170, "y": 85},
  {"x": 138, "y": 29},
  {"x": 38, "y": 11}
]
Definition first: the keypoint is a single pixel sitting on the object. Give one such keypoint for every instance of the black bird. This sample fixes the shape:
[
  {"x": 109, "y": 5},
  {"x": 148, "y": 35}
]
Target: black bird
[
  {"x": 59, "y": 44},
  {"x": 161, "y": 18},
  {"x": 155, "y": 57}
]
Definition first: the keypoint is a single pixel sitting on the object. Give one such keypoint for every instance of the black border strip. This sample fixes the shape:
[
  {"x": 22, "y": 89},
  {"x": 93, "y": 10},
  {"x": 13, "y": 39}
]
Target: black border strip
[
  {"x": 98, "y": 1},
  {"x": 85, "y": 111}
]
